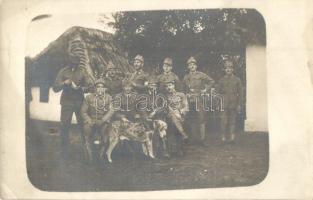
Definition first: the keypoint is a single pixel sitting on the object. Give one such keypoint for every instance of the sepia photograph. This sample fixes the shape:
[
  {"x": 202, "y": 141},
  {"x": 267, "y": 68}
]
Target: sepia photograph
[
  {"x": 146, "y": 100},
  {"x": 105, "y": 99}
]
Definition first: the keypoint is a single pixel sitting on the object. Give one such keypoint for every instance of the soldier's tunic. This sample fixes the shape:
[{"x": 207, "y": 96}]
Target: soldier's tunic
[
  {"x": 194, "y": 83},
  {"x": 99, "y": 110},
  {"x": 71, "y": 100},
  {"x": 164, "y": 78},
  {"x": 152, "y": 101},
  {"x": 231, "y": 89},
  {"x": 125, "y": 105},
  {"x": 139, "y": 78}
]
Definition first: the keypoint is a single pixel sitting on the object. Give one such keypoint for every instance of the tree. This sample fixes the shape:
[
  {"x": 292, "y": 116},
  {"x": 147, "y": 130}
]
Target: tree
[{"x": 182, "y": 33}]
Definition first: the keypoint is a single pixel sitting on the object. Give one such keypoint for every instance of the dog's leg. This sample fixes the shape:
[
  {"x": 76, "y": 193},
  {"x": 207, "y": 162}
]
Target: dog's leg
[
  {"x": 165, "y": 150},
  {"x": 148, "y": 145},
  {"x": 113, "y": 143},
  {"x": 144, "y": 149},
  {"x": 104, "y": 144}
]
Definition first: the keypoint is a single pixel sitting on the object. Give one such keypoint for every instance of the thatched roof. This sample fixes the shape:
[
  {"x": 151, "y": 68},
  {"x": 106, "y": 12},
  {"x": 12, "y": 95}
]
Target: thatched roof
[{"x": 99, "y": 49}]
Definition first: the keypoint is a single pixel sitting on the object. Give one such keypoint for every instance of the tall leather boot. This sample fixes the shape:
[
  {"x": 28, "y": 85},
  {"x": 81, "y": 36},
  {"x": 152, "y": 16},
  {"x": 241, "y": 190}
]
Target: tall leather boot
[
  {"x": 165, "y": 149},
  {"x": 202, "y": 134}
]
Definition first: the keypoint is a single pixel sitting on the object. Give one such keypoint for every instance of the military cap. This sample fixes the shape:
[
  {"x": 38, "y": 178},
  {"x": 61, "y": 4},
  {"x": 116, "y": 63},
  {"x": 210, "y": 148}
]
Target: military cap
[
  {"x": 191, "y": 60},
  {"x": 100, "y": 81},
  {"x": 139, "y": 57},
  {"x": 168, "y": 61}
]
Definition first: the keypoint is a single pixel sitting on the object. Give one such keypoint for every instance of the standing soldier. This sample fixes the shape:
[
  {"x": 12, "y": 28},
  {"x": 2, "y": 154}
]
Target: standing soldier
[
  {"x": 96, "y": 112},
  {"x": 168, "y": 75},
  {"x": 196, "y": 85},
  {"x": 230, "y": 87},
  {"x": 177, "y": 108},
  {"x": 73, "y": 81},
  {"x": 139, "y": 78},
  {"x": 112, "y": 80}
]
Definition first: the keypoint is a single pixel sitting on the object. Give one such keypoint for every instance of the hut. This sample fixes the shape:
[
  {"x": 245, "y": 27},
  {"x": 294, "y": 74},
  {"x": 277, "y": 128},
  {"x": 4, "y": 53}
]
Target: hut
[{"x": 96, "y": 49}]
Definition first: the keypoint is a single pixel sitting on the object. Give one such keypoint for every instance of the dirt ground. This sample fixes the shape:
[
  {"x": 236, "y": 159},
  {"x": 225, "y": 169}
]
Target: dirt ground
[{"x": 243, "y": 163}]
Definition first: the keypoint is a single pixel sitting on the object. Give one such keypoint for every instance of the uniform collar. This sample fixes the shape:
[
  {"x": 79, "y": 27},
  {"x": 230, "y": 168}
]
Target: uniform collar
[
  {"x": 139, "y": 72},
  {"x": 168, "y": 73},
  {"x": 99, "y": 96},
  {"x": 172, "y": 93}
]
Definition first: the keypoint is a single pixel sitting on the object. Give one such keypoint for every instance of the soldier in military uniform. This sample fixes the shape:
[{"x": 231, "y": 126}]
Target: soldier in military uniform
[
  {"x": 96, "y": 112},
  {"x": 155, "y": 109},
  {"x": 177, "y": 108},
  {"x": 139, "y": 77},
  {"x": 154, "y": 106},
  {"x": 74, "y": 82},
  {"x": 230, "y": 87},
  {"x": 168, "y": 75},
  {"x": 112, "y": 80},
  {"x": 196, "y": 85},
  {"x": 125, "y": 102}
]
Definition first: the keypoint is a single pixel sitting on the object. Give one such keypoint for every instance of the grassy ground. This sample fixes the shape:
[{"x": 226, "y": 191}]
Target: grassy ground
[{"x": 243, "y": 163}]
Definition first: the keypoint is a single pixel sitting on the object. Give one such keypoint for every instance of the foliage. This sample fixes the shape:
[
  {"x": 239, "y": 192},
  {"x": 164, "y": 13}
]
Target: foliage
[{"x": 181, "y": 33}]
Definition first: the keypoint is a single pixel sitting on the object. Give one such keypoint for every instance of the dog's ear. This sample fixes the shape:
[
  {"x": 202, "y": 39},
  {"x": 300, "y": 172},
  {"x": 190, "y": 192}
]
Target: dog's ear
[{"x": 164, "y": 125}]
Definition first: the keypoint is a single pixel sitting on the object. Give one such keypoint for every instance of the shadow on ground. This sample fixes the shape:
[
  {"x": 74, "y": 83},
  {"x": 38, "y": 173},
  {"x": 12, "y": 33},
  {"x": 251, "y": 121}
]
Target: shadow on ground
[{"x": 243, "y": 163}]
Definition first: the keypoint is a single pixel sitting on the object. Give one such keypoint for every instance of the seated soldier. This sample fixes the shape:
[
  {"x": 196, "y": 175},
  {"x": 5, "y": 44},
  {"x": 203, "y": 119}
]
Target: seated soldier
[
  {"x": 124, "y": 105},
  {"x": 154, "y": 110},
  {"x": 125, "y": 102},
  {"x": 96, "y": 112},
  {"x": 177, "y": 108}
]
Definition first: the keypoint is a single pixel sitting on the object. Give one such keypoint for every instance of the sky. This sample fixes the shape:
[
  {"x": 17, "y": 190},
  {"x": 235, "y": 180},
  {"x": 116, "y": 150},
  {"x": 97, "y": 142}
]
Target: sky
[{"x": 43, "y": 31}]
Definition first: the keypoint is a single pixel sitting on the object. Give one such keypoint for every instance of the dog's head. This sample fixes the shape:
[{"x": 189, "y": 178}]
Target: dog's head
[{"x": 160, "y": 127}]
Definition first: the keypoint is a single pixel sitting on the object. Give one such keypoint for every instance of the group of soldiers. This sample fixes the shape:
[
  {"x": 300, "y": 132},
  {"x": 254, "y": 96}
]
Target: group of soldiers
[{"x": 114, "y": 98}]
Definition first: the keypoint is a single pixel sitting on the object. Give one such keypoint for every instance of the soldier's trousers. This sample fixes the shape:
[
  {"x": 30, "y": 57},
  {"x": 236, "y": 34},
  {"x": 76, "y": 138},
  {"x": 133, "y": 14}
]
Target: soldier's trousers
[
  {"x": 228, "y": 121},
  {"x": 89, "y": 132},
  {"x": 178, "y": 122},
  {"x": 66, "y": 120},
  {"x": 197, "y": 117}
]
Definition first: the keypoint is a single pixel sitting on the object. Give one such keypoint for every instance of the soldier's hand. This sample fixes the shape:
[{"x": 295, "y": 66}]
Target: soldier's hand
[
  {"x": 67, "y": 82},
  {"x": 213, "y": 90},
  {"x": 74, "y": 86},
  {"x": 183, "y": 114},
  {"x": 133, "y": 84},
  {"x": 151, "y": 114}
]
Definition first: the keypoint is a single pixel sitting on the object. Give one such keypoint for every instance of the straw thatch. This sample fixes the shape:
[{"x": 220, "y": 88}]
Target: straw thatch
[{"x": 95, "y": 47}]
